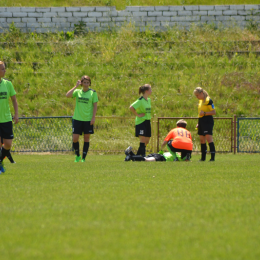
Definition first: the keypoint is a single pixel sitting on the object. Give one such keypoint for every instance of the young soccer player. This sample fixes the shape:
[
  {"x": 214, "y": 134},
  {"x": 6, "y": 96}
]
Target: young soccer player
[
  {"x": 142, "y": 109},
  {"x": 84, "y": 114},
  {"x": 206, "y": 122},
  {"x": 6, "y": 126},
  {"x": 153, "y": 157},
  {"x": 179, "y": 140}
]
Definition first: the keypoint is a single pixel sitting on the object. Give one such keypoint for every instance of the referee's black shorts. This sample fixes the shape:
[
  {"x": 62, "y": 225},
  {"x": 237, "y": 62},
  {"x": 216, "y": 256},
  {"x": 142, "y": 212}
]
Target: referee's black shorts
[
  {"x": 6, "y": 130},
  {"x": 82, "y": 126},
  {"x": 143, "y": 129},
  {"x": 206, "y": 125},
  {"x": 158, "y": 157}
]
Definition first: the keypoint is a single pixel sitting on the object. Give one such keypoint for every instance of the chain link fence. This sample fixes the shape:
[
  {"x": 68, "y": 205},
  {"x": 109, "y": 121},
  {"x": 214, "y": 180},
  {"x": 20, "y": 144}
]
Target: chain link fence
[
  {"x": 222, "y": 132},
  {"x": 248, "y": 135}
]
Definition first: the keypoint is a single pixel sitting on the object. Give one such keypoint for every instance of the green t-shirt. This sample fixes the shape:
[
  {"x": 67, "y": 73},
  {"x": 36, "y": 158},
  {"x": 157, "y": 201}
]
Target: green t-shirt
[
  {"x": 6, "y": 91},
  {"x": 141, "y": 105},
  {"x": 84, "y": 104}
]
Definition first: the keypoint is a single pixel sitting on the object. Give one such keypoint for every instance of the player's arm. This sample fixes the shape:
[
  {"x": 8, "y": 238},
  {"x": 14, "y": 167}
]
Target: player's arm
[
  {"x": 70, "y": 92},
  {"x": 94, "y": 113},
  {"x": 167, "y": 139},
  {"x": 135, "y": 113},
  {"x": 15, "y": 104},
  {"x": 210, "y": 113}
]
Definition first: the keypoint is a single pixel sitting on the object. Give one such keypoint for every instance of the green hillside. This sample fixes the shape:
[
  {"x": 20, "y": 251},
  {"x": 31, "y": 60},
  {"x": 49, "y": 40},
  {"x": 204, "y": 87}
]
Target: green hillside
[
  {"x": 121, "y": 4},
  {"x": 225, "y": 62}
]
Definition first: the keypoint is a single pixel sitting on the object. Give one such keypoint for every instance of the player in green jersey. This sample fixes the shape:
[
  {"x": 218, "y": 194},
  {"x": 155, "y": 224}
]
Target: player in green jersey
[
  {"x": 84, "y": 115},
  {"x": 153, "y": 157},
  {"x": 6, "y": 126},
  {"x": 142, "y": 109},
  {"x": 206, "y": 110}
]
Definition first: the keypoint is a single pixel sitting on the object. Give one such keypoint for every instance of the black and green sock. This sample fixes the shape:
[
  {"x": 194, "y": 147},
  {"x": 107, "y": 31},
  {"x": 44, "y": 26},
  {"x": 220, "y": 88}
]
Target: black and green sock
[
  {"x": 212, "y": 150},
  {"x": 85, "y": 149},
  {"x": 203, "y": 151},
  {"x": 76, "y": 148},
  {"x": 141, "y": 149}
]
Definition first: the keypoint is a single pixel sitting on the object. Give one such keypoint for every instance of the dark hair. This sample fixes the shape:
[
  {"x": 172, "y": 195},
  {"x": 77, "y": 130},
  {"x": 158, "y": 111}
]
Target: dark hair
[
  {"x": 87, "y": 78},
  {"x": 181, "y": 123},
  {"x": 144, "y": 88}
]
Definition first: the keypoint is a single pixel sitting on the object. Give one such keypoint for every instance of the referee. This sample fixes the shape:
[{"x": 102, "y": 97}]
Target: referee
[
  {"x": 141, "y": 108},
  {"x": 205, "y": 125},
  {"x": 6, "y": 125}
]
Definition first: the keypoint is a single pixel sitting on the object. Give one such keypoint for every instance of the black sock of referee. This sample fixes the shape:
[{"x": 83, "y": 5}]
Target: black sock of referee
[
  {"x": 203, "y": 151},
  {"x": 212, "y": 150},
  {"x": 76, "y": 148},
  {"x": 141, "y": 149},
  {"x": 85, "y": 149},
  {"x": 4, "y": 153}
]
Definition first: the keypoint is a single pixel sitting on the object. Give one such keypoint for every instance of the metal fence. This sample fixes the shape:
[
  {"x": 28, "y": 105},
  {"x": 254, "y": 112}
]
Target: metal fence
[
  {"x": 248, "y": 135},
  {"x": 222, "y": 133}
]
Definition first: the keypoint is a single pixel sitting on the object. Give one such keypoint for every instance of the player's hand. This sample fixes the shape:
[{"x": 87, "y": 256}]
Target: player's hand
[
  {"x": 141, "y": 115},
  {"x": 161, "y": 152},
  {"x": 92, "y": 122},
  {"x": 78, "y": 83},
  {"x": 197, "y": 126},
  {"x": 16, "y": 119},
  {"x": 201, "y": 113}
]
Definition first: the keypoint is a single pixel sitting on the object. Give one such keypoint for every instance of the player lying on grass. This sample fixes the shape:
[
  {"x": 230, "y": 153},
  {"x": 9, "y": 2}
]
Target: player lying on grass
[
  {"x": 158, "y": 157},
  {"x": 6, "y": 125},
  {"x": 84, "y": 115},
  {"x": 179, "y": 140}
]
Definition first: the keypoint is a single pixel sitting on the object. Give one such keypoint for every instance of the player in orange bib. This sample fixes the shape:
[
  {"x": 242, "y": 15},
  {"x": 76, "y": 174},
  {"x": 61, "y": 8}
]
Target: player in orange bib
[{"x": 179, "y": 140}]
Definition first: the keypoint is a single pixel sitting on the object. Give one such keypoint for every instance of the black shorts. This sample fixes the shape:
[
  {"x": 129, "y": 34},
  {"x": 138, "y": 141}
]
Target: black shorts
[
  {"x": 206, "y": 125},
  {"x": 6, "y": 130},
  {"x": 82, "y": 126},
  {"x": 143, "y": 129},
  {"x": 158, "y": 157},
  {"x": 182, "y": 151}
]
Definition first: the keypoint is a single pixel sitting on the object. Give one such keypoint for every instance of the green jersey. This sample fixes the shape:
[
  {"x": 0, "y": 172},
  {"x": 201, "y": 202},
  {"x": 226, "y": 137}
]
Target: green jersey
[
  {"x": 169, "y": 157},
  {"x": 84, "y": 104},
  {"x": 6, "y": 91},
  {"x": 141, "y": 105}
]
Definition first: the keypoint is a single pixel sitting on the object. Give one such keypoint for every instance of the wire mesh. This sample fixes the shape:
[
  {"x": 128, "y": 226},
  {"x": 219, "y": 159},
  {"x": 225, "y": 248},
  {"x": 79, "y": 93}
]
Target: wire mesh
[
  {"x": 222, "y": 132},
  {"x": 248, "y": 135}
]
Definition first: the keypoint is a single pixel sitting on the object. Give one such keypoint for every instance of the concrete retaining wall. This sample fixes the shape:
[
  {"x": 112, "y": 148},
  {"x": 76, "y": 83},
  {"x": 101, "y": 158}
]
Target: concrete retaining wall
[{"x": 105, "y": 18}]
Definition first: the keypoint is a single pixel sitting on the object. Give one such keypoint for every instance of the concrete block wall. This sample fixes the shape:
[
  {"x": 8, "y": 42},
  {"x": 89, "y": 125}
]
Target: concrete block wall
[{"x": 51, "y": 19}]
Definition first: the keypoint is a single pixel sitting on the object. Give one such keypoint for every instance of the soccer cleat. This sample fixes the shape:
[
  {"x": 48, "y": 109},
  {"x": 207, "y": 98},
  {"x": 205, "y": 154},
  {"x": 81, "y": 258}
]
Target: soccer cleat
[
  {"x": 2, "y": 168},
  {"x": 127, "y": 158},
  {"x": 128, "y": 150},
  {"x": 83, "y": 160},
  {"x": 201, "y": 160},
  {"x": 212, "y": 160},
  {"x": 77, "y": 158},
  {"x": 187, "y": 157},
  {"x": 176, "y": 159}
]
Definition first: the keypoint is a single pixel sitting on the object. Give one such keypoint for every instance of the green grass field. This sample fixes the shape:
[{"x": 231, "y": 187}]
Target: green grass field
[
  {"x": 52, "y": 208},
  {"x": 121, "y": 4}
]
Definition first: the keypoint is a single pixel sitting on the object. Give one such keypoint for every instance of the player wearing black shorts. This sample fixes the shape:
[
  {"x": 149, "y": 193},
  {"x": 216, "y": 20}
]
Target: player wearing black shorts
[
  {"x": 84, "y": 114},
  {"x": 205, "y": 125},
  {"x": 142, "y": 109},
  {"x": 6, "y": 126}
]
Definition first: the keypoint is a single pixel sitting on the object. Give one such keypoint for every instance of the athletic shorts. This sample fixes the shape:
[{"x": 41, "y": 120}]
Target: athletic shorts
[
  {"x": 143, "y": 129},
  {"x": 206, "y": 125},
  {"x": 82, "y": 126},
  {"x": 6, "y": 130},
  {"x": 158, "y": 157}
]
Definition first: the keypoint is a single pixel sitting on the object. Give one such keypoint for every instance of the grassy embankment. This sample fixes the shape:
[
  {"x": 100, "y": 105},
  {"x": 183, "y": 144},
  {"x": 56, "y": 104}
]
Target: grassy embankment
[
  {"x": 44, "y": 67},
  {"x": 121, "y": 4}
]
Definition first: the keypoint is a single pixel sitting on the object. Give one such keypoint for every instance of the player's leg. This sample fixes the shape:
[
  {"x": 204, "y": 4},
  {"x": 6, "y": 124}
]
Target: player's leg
[
  {"x": 5, "y": 152},
  {"x": 203, "y": 147},
  {"x": 77, "y": 131},
  {"x": 86, "y": 146},
  {"x": 171, "y": 149},
  {"x": 211, "y": 147},
  {"x": 150, "y": 159},
  {"x": 141, "y": 149}
]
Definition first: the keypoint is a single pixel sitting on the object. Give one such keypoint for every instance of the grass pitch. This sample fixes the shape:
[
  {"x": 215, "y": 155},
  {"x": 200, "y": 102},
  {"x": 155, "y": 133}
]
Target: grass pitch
[{"x": 105, "y": 208}]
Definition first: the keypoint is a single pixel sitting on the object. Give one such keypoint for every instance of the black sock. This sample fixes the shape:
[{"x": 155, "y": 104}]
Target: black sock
[
  {"x": 76, "y": 148},
  {"x": 137, "y": 158},
  {"x": 85, "y": 149},
  {"x": 203, "y": 151},
  {"x": 3, "y": 154},
  {"x": 9, "y": 156},
  {"x": 141, "y": 150},
  {"x": 212, "y": 150}
]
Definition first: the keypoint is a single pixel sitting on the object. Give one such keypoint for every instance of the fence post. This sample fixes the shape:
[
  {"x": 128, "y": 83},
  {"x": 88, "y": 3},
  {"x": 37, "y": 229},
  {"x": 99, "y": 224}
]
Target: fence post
[
  {"x": 235, "y": 133},
  {"x": 154, "y": 132},
  {"x": 158, "y": 133}
]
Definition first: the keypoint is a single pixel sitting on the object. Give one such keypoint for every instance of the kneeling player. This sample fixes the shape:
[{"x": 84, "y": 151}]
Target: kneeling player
[{"x": 179, "y": 140}]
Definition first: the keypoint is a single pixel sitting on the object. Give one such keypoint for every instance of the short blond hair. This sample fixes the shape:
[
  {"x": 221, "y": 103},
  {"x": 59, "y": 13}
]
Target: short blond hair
[
  {"x": 181, "y": 123},
  {"x": 198, "y": 90}
]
